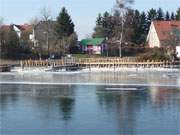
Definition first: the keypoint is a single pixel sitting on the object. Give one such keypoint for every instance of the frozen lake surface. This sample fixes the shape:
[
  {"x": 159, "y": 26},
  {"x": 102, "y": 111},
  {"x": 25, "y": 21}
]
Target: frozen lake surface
[
  {"x": 150, "y": 78},
  {"x": 80, "y": 103}
]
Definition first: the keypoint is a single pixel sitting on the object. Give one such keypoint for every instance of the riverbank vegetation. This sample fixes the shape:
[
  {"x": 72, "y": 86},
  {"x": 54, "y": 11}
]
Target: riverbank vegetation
[
  {"x": 56, "y": 37},
  {"x": 124, "y": 27}
]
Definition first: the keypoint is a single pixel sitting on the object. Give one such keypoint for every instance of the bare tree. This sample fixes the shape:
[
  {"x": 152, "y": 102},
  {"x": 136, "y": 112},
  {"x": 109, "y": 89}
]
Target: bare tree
[
  {"x": 34, "y": 21},
  {"x": 46, "y": 27},
  {"x": 121, "y": 9},
  {"x": 46, "y": 14}
]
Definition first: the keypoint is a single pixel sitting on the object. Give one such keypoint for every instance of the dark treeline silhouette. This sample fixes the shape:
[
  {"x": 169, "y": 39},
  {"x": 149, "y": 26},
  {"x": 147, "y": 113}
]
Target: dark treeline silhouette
[{"x": 136, "y": 25}]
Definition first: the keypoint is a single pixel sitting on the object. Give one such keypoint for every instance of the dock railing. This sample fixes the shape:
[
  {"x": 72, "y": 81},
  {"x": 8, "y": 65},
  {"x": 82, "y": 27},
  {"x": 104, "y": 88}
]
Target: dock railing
[{"x": 101, "y": 62}]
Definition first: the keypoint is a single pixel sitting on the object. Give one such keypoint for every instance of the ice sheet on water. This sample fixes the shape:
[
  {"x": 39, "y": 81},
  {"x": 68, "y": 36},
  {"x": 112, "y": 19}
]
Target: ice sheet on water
[
  {"x": 147, "y": 78},
  {"x": 96, "y": 84}
]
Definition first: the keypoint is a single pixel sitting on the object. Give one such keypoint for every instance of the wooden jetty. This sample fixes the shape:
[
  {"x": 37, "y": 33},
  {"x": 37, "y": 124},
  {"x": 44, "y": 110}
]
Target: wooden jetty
[
  {"x": 99, "y": 63},
  {"x": 5, "y": 68}
]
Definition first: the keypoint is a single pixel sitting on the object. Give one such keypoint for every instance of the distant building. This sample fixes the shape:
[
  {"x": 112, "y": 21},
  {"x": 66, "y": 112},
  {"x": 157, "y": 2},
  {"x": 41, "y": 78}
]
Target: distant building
[
  {"x": 24, "y": 33},
  {"x": 44, "y": 34},
  {"x": 93, "y": 45},
  {"x": 165, "y": 34},
  {"x": 19, "y": 29},
  {"x": 161, "y": 33}
]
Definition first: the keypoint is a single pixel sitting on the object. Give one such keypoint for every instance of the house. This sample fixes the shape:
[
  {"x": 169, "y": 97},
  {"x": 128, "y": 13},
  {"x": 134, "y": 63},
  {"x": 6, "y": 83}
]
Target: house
[
  {"x": 164, "y": 34},
  {"x": 19, "y": 29},
  {"x": 93, "y": 45},
  {"x": 24, "y": 32},
  {"x": 161, "y": 32},
  {"x": 44, "y": 34}
]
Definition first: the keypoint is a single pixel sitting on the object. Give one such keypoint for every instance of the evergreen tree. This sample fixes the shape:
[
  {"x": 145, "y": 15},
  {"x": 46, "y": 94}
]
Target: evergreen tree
[
  {"x": 136, "y": 18},
  {"x": 172, "y": 16},
  {"x": 167, "y": 16},
  {"x": 103, "y": 26},
  {"x": 178, "y": 14},
  {"x": 129, "y": 25},
  {"x": 106, "y": 16},
  {"x": 100, "y": 32},
  {"x": 137, "y": 31},
  {"x": 65, "y": 26},
  {"x": 160, "y": 14},
  {"x": 143, "y": 27},
  {"x": 152, "y": 15},
  {"x": 99, "y": 19},
  {"x": 65, "y": 31}
]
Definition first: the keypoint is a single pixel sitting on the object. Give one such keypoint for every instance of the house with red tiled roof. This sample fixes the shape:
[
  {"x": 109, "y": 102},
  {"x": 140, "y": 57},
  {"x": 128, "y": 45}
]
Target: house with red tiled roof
[
  {"x": 19, "y": 29},
  {"x": 164, "y": 34},
  {"x": 161, "y": 32}
]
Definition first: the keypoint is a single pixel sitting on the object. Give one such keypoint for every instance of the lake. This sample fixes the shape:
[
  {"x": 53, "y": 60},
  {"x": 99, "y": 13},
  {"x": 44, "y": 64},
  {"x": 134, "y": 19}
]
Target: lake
[{"x": 124, "y": 103}]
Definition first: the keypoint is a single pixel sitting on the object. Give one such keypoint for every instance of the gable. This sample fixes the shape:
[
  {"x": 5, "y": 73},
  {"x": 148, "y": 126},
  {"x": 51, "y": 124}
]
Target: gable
[
  {"x": 152, "y": 38},
  {"x": 17, "y": 29}
]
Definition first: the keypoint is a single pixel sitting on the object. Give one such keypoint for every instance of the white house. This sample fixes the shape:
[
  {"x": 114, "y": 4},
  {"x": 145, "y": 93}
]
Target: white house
[{"x": 161, "y": 34}]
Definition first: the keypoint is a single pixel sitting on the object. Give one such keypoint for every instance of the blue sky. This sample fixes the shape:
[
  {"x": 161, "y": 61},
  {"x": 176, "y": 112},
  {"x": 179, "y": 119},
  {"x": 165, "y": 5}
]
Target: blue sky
[{"x": 83, "y": 12}]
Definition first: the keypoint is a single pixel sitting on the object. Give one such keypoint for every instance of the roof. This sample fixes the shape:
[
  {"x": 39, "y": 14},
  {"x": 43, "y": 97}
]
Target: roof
[
  {"x": 24, "y": 27},
  {"x": 21, "y": 27},
  {"x": 164, "y": 28},
  {"x": 92, "y": 41},
  {"x": 6, "y": 27}
]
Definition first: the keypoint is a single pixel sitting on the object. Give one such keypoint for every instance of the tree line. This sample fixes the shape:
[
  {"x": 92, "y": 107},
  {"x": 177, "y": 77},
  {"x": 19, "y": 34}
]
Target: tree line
[
  {"x": 136, "y": 24},
  {"x": 125, "y": 25}
]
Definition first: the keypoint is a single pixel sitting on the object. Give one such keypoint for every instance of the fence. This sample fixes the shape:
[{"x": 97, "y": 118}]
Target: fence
[{"x": 99, "y": 62}]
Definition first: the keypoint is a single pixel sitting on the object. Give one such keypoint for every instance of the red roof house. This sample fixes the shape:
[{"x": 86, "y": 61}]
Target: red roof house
[
  {"x": 18, "y": 28},
  {"x": 160, "y": 33}
]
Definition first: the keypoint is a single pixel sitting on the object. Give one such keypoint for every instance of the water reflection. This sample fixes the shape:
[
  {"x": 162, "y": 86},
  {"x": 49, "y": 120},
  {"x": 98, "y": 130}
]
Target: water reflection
[
  {"x": 129, "y": 105},
  {"x": 163, "y": 96},
  {"x": 43, "y": 98},
  {"x": 8, "y": 95},
  {"x": 66, "y": 107},
  {"x": 70, "y": 109},
  {"x": 126, "y": 103}
]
